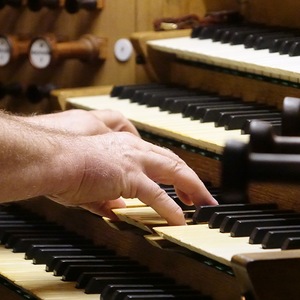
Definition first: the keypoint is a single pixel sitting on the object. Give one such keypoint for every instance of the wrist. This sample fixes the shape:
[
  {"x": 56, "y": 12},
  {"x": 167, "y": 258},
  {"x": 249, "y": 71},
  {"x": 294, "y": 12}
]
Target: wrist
[{"x": 34, "y": 161}]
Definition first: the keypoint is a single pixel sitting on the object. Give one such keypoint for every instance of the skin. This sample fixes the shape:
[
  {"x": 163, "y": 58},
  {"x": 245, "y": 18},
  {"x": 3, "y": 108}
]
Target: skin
[{"x": 91, "y": 160}]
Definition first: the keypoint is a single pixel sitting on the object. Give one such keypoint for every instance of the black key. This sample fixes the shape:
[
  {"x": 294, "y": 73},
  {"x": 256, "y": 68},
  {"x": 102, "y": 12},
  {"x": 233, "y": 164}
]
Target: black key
[
  {"x": 237, "y": 122},
  {"x": 257, "y": 235},
  {"x": 121, "y": 293},
  {"x": 285, "y": 46},
  {"x": 85, "y": 277},
  {"x": 218, "y": 34},
  {"x": 200, "y": 110},
  {"x": 35, "y": 222},
  {"x": 166, "y": 297},
  {"x": 204, "y": 213},
  {"x": 208, "y": 31},
  {"x": 190, "y": 108},
  {"x": 44, "y": 256},
  {"x": 63, "y": 264},
  {"x": 239, "y": 37},
  {"x": 213, "y": 114},
  {"x": 229, "y": 221},
  {"x": 218, "y": 217},
  {"x": 228, "y": 33},
  {"x": 5, "y": 216},
  {"x": 126, "y": 91},
  {"x": 158, "y": 98},
  {"x": 142, "y": 96},
  {"x": 73, "y": 272},
  {"x": 295, "y": 49},
  {"x": 275, "y": 239},
  {"x": 56, "y": 259},
  {"x": 291, "y": 243},
  {"x": 245, "y": 227},
  {"x": 196, "y": 31},
  {"x": 34, "y": 249},
  {"x": 224, "y": 117},
  {"x": 109, "y": 290},
  {"x": 97, "y": 284},
  {"x": 14, "y": 239},
  {"x": 4, "y": 228},
  {"x": 251, "y": 38},
  {"x": 278, "y": 43},
  {"x": 8, "y": 232},
  {"x": 266, "y": 41},
  {"x": 24, "y": 243},
  {"x": 178, "y": 104}
]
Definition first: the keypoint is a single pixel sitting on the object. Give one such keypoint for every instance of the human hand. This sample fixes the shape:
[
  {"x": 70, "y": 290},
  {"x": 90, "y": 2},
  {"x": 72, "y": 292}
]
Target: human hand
[
  {"x": 83, "y": 122},
  {"x": 115, "y": 165}
]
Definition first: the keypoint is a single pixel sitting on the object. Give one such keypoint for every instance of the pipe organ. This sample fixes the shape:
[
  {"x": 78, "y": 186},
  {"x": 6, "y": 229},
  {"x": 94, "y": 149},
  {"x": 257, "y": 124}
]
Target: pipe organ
[{"x": 223, "y": 95}]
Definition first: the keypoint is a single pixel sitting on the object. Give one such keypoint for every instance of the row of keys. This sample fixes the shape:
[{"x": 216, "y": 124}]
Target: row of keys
[
  {"x": 224, "y": 111},
  {"x": 262, "y": 63},
  {"x": 281, "y": 40},
  {"x": 263, "y": 223},
  {"x": 71, "y": 6},
  {"x": 72, "y": 258}
]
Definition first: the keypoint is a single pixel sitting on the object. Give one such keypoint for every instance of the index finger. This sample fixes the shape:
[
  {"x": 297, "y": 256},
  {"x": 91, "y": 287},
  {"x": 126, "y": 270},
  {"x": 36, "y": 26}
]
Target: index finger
[
  {"x": 151, "y": 194},
  {"x": 165, "y": 167}
]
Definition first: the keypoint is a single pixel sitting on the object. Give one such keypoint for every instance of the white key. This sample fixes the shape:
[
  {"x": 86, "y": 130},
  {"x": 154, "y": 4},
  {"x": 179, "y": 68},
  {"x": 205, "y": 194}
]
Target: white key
[{"x": 237, "y": 57}]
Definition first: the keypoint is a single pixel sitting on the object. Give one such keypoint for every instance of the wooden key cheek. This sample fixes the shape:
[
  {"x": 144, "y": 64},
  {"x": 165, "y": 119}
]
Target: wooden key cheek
[{"x": 46, "y": 51}]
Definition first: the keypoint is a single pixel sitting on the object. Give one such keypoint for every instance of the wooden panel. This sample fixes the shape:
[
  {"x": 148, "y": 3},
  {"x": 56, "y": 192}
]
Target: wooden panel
[
  {"x": 274, "y": 12},
  {"x": 118, "y": 19},
  {"x": 8, "y": 294}
]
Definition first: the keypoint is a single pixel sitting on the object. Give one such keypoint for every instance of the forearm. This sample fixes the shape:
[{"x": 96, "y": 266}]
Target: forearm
[{"x": 30, "y": 159}]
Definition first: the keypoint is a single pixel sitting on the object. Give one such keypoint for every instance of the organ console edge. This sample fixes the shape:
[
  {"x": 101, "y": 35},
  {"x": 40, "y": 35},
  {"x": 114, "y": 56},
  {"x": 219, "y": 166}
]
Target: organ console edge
[
  {"x": 59, "y": 96},
  {"x": 268, "y": 275},
  {"x": 139, "y": 41}
]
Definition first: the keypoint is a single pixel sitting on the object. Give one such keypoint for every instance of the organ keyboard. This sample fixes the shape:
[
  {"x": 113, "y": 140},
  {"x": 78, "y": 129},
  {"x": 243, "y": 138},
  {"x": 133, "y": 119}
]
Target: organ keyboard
[
  {"x": 223, "y": 248},
  {"x": 236, "y": 55},
  {"x": 57, "y": 261},
  {"x": 213, "y": 263},
  {"x": 152, "y": 119}
]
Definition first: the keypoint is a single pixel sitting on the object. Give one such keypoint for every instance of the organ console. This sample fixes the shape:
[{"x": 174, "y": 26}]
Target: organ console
[{"x": 204, "y": 92}]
